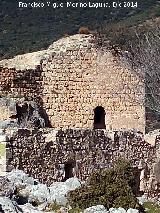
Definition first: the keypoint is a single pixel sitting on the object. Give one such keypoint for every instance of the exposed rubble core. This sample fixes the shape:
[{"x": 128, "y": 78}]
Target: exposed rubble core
[{"x": 56, "y": 155}]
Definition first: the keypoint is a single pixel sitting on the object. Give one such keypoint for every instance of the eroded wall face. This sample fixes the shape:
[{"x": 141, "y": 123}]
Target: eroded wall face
[
  {"x": 44, "y": 153},
  {"x": 76, "y": 82},
  {"x": 19, "y": 86},
  {"x": 70, "y": 84},
  {"x": 20, "y": 83}
]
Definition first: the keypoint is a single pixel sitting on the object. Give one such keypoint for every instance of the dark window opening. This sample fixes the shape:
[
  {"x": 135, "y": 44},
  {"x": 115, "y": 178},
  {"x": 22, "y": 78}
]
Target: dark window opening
[
  {"x": 136, "y": 184},
  {"x": 68, "y": 168},
  {"x": 24, "y": 112},
  {"x": 99, "y": 118}
]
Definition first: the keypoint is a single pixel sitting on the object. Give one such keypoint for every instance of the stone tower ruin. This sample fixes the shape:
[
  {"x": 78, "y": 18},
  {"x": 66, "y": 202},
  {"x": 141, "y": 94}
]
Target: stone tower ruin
[{"x": 78, "y": 85}]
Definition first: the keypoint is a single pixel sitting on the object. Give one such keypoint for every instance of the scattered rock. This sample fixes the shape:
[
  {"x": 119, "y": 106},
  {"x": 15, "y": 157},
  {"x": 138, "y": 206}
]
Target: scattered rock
[{"x": 31, "y": 198}]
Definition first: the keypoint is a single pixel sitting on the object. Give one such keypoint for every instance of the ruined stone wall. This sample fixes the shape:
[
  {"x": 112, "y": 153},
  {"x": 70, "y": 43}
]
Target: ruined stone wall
[
  {"x": 44, "y": 153},
  {"x": 20, "y": 83},
  {"x": 74, "y": 77},
  {"x": 84, "y": 78}
]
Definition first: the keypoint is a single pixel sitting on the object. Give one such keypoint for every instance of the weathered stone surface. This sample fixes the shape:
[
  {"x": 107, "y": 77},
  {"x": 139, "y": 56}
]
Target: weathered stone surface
[
  {"x": 132, "y": 211},
  {"x": 6, "y": 187},
  {"x": 7, "y": 206},
  {"x": 73, "y": 183},
  {"x": 117, "y": 210},
  {"x": 59, "y": 190},
  {"x": 28, "y": 208},
  {"x": 19, "y": 178},
  {"x": 35, "y": 193},
  {"x": 101, "y": 209},
  {"x": 71, "y": 78},
  {"x": 54, "y": 155},
  {"x": 96, "y": 209},
  {"x": 29, "y": 190},
  {"x": 43, "y": 196}
]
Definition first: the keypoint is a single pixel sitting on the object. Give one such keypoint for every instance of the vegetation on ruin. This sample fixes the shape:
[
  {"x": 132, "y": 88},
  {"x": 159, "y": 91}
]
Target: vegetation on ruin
[
  {"x": 84, "y": 30},
  {"x": 25, "y": 30},
  {"x": 151, "y": 207},
  {"x": 2, "y": 149},
  {"x": 55, "y": 206},
  {"x": 75, "y": 210},
  {"x": 113, "y": 187}
]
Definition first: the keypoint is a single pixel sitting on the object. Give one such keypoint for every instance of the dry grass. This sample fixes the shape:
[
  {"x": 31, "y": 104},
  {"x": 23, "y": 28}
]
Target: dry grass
[{"x": 84, "y": 30}]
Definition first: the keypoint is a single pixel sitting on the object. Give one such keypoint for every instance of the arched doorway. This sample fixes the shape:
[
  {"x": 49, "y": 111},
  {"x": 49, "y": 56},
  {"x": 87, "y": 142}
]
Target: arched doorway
[{"x": 99, "y": 118}]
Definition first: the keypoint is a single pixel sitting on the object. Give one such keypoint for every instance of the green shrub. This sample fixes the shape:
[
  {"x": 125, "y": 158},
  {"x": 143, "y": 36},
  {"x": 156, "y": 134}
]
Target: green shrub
[
  {"x": 54, "y": 206},
  {"x": 75, "y": 210},
  {"x": 112, "y": 188},
  {"x": 152, "y": 207}
]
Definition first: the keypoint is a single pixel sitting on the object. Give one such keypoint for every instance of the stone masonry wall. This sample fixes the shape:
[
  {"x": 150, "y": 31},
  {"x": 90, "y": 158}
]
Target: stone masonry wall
[
  {"x": 44, "y": 153},
  {"x": 21, "y": 83},
  {"x": 87, "y": 79},
  {"x": 71, "y": 78}
]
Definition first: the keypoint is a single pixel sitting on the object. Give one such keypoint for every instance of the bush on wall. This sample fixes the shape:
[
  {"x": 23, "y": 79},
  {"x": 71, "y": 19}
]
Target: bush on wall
[
  {"x": 112, "y": 188},
  {"x": 84, "y": 30}
]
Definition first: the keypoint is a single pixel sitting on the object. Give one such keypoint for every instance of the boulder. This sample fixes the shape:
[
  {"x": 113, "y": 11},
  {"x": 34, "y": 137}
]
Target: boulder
[
  {"x": 28, "y": 208},
  {"x": 73, "y": 183},
  {"x": 96, "y": 209},
  {"x": 142, "y": 199},
  {"x": 19, "y": 178},
  {"x": 132, "y": 211},
  {"x": 58, "y": 193},
  {"x": 8, "y": 206},
  {"x": 117, "y": 210},
  {"x": 37, "y": 194},
  {"x": 59, "y": 190},
  {"x": 6, "y": 188}
]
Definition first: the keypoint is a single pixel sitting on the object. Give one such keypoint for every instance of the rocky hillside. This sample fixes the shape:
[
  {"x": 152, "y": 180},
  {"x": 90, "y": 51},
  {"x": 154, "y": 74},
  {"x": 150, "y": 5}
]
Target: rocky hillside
[
  {"x": 32, "y": 29},
  {"x": 21, "y": 194}
]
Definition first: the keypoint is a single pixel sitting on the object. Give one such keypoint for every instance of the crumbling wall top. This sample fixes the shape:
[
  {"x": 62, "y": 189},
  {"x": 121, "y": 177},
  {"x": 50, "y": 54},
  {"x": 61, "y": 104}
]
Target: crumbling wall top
[{"x": 32, "y": 60}]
